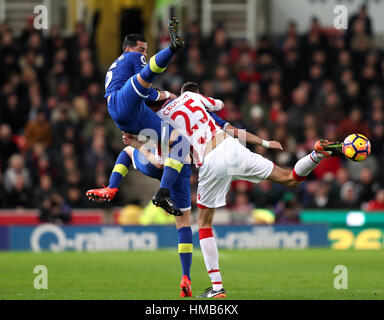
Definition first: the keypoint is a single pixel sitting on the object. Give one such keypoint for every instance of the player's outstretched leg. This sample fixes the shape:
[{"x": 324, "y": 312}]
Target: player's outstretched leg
[
  {"x": 323, "y": 148},
  {"x": 119, "y": 171},
  {"x": 304, "y": 166}
]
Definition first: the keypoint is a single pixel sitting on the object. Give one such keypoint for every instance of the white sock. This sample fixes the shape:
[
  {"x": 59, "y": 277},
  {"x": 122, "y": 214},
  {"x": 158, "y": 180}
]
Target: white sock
[
  {"x": 305, "y": 165},
  {"x": 211, "y": 257}
]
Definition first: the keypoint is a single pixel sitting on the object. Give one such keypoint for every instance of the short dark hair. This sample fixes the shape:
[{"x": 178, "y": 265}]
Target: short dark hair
[
  {"x": 190, "y": 86},
  {"x": 155, "y": 104},
  {"x": 131, "y": 40}
]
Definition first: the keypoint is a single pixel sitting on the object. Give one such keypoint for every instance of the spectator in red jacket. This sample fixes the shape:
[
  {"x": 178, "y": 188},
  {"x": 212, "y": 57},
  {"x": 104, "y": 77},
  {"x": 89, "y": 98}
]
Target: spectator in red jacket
[{"x": 377, "y": 204}]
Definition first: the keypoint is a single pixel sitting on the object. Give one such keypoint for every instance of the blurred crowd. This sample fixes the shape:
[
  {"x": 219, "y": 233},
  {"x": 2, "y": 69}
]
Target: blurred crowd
[{"x": 57, "y": 139}]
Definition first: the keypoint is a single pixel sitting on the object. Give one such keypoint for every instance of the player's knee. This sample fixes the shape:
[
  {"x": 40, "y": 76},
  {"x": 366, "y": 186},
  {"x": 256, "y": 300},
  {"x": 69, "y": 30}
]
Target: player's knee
[
  {"x": 184, "y": 220},
  {"x": 205, "y": 218},
  {"x": 182, "y": 224}
]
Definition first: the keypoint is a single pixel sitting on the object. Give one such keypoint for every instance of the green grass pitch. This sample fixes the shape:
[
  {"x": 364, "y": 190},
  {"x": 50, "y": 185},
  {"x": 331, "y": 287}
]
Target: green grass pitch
[{"x": 156, "y": 275}]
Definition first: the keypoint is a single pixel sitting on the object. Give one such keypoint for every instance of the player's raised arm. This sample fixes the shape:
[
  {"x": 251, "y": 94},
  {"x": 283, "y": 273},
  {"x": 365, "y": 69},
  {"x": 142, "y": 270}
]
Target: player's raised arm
[{"x": 249, "y": 137}]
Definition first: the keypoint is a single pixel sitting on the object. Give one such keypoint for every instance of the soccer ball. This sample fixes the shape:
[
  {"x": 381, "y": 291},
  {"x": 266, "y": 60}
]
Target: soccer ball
[{"x": 356, "y": 147}]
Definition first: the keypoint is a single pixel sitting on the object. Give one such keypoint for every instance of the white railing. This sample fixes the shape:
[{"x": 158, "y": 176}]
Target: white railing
[
  {"x": 206, "y": 17},
  {"x": 252, "y": 10},
  {"x": 251, "y": 27},
  {"x": 19, "y": 6},
  {"x": 2, "y": 11},
  {"x": 229, "y": 7}
]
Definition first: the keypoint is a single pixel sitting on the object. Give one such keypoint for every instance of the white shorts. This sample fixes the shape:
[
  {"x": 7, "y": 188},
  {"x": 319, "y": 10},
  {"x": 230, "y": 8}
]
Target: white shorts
[{"x": 229, "y": 161}]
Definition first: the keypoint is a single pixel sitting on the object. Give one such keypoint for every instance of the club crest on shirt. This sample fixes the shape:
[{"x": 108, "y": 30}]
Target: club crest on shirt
[{"x": 143, "y": 62}]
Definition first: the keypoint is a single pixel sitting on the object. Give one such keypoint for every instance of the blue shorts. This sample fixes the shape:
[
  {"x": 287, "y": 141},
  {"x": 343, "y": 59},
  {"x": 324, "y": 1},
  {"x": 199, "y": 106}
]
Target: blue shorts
[
  {"x": 181, "y": 190},
  {"x": 128, "y": 110}
]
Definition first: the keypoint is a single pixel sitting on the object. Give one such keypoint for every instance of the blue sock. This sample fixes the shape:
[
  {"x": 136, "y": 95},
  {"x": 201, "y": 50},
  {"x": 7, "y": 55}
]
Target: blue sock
[
  {"x": 156, "y": 65},
  {"x": 185, "y": 249},
  {"x": 119, "y": 170},
  {"x": 173, "y": 165},
  {"x": 170, "y": 174}
]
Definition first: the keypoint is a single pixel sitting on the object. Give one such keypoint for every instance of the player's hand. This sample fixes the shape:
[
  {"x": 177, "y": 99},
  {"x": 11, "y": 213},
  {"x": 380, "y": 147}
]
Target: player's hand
[
  {"x": 130, "y": 140},
  {"x": 275, "y": 145},
  {"x": 152, "y": 159},
  {"x": 127, "y": 138},
  {"x": 167, "y": 95}
]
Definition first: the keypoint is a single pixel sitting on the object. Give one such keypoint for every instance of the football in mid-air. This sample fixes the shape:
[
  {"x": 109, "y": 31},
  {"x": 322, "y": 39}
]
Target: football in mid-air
[{"x": 356, "y": 147}]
